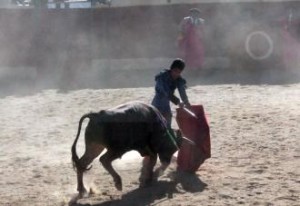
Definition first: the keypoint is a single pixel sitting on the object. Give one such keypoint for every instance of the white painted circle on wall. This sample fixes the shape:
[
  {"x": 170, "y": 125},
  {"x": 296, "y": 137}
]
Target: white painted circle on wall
[{"x": 269, "y": 41}]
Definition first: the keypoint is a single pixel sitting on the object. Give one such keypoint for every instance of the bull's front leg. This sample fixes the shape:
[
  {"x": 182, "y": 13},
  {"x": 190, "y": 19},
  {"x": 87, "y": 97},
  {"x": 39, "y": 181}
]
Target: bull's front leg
[
  {"x": 146, "y": 176},
  {"x": 160, "y": 170}
]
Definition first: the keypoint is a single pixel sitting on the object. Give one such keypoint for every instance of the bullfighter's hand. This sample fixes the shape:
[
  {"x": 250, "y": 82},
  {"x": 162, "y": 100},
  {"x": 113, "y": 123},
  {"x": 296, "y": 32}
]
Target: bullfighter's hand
[{"x": 181, "y": 105}]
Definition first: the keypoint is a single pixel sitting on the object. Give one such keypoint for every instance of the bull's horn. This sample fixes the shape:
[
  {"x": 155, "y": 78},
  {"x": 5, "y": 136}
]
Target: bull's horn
[{"x": 189, "y": 141}]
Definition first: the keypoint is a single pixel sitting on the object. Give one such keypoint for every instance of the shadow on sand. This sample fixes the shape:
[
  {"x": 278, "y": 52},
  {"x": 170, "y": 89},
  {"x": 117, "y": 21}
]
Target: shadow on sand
[{"x": 158, "y": 192}]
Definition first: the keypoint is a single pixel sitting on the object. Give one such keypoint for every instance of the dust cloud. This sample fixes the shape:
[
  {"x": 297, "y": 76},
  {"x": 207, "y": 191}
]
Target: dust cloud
[{"x": 116, "y": 47}]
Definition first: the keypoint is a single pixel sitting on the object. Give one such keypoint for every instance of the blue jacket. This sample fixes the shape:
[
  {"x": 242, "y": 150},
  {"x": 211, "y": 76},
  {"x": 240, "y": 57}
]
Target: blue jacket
[{"x": 164, "y": 91}]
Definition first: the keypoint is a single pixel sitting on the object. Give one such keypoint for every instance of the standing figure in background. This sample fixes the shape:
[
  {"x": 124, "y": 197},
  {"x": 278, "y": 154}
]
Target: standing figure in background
[
  {"x": 167, "y": 82},
  {"x": 190, "y": 40}
]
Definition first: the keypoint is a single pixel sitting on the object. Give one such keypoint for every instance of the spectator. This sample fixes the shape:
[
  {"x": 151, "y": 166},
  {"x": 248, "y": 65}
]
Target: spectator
[{"x": 190, "y": 40}]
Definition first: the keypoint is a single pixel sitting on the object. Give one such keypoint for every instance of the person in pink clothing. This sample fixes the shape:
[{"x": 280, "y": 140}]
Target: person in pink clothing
[
  {"x": 291, "y": 42},
  {"x": 190, "y": 40}
]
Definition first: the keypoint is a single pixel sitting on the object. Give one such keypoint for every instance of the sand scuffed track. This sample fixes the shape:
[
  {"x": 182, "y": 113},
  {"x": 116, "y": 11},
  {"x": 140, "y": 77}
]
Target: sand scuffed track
[{"x": 255, "y": 149}]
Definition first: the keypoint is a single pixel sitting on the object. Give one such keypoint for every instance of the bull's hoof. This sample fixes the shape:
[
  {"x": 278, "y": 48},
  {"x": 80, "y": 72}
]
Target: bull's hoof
[
  {"x": 118, "y": 183},
  {"x": 157, "y": 173},
  {"x": 73, "y": 201},
  {"x": 82, "y": 193},
  {"x": 144, "y": 184},
  {"x": 119, "y": 186}
]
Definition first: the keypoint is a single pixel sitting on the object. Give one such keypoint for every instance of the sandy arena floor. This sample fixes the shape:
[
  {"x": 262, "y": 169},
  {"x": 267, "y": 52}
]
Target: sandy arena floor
[{"x": 255, "y": 149}]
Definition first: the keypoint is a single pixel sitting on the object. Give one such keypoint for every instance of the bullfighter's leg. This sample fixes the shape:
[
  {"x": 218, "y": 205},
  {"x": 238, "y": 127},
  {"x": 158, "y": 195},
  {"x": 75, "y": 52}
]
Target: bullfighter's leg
[
  {"x": 147, "y": 170},
  {"x": 92, "y": 150},
  {"x": 106, "y": 161}
]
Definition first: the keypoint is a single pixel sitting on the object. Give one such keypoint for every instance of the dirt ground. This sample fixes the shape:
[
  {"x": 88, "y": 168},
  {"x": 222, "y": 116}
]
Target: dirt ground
[{"x": 254, "y": 137}]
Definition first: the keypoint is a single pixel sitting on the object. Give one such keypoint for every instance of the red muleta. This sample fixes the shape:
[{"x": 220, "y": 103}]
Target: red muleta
[{"x": 193, "y": 124}]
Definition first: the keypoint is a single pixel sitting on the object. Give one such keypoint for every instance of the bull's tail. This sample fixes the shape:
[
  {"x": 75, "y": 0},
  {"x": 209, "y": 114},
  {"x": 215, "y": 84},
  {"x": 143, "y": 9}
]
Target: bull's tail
[{"x": 75, "y": 158}]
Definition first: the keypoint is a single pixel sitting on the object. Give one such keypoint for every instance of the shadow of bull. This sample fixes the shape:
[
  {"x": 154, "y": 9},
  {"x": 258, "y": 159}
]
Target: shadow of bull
[{"x": 158, "y": 192}]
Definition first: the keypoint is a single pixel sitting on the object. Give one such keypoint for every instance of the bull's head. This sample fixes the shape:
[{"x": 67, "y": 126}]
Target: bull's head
[
  {"x": 179, "y": 138},
  {"x": 170, "y": 144},
  {"x": 169, "y": 149}
]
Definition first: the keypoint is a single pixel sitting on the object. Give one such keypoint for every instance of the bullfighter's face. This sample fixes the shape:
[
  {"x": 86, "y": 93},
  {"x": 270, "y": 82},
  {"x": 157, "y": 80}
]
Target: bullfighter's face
[{"x": 175, "y": 73}]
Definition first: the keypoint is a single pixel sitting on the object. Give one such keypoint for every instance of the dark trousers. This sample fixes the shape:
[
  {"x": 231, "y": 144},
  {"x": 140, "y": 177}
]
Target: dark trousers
[{"x": 168, "y": 117}]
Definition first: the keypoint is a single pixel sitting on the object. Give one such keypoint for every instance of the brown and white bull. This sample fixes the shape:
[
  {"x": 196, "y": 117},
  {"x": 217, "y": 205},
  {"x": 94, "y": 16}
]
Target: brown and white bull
[{"x": 132, "y": 126}]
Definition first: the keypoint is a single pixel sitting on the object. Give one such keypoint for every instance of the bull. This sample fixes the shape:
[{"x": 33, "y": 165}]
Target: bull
[{"x": 131, "y": 126}]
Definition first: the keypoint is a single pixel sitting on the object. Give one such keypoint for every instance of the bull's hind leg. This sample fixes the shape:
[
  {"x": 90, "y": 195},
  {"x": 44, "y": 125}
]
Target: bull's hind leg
[
  {"x": 106, "y": 161},
  {"x": 92, "y": 150}
]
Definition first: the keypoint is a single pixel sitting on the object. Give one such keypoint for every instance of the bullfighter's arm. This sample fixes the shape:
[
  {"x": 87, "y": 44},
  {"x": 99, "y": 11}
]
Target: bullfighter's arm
[
  {"x": 162, "y": 88},
  {"x": 182, "y": 91}
]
